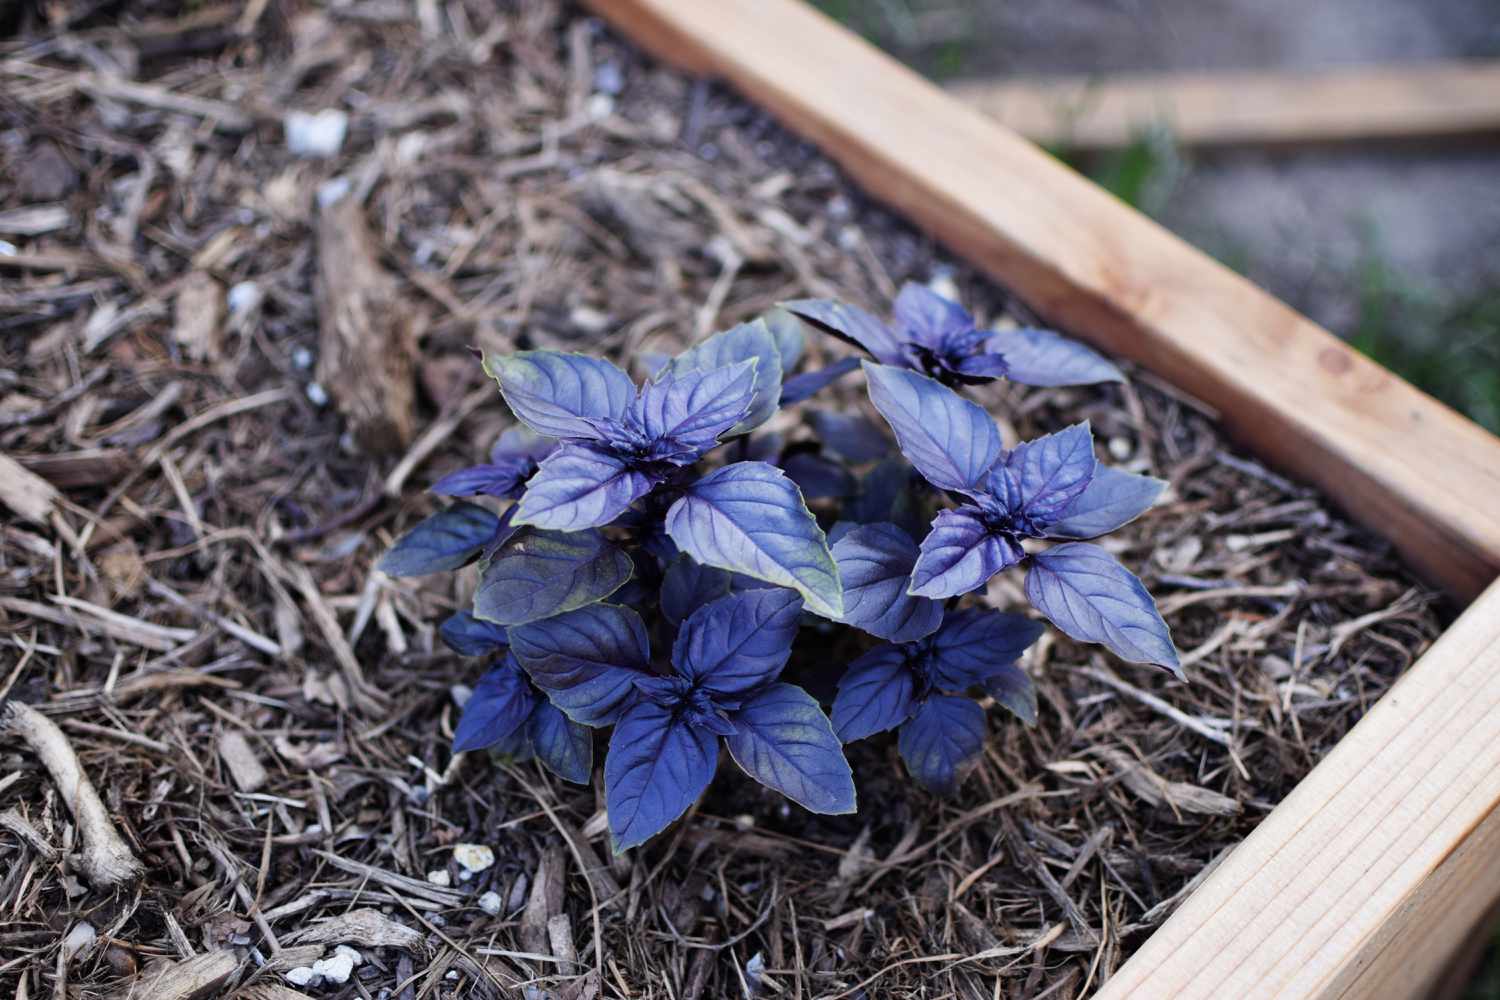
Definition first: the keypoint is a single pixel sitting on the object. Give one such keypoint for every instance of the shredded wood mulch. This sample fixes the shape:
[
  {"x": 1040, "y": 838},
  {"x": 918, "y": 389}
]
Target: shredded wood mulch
[{"x": 228, "y": 368}]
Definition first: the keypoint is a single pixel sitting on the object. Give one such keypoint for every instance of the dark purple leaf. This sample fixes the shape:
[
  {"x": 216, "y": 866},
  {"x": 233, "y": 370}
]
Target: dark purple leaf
[
  {"x": 1113, "y": 499},
  {"x": 561, "y": 395},
  {"x": 876, "y": 693},
  {"x": 783, "y": 740},
  {"x": 503, "y": 479},
  {"x": 1085, "y": 592},
  {"x": 929, "y": 319},
  {"x": 763, "y": 447},
  {"x": 693, "y": 407},
  {"x": 656, "y": 768},
  {"x": 501, "y": 703},
  {"x": 739, "y": 642},
  {"x": 885, "y": 494},
  {"x": 940, "y": 742},
  {"x": 875, "y": 562},
  {"x": 470, "y": 636},
  {"x": 983, "y": 366},
  {"x": 521, "y": 443},
  {"x": 1041, "y": 357},
  {"x": 564, "y": 746},
  {"x": 688, "y": 585},
  {"x": 538, "y": 573},
  {"x": 951, "y": 441},
  {"x": 578, "y": 487},
  {"x": 818, "y": 477},
  {"x": 799, "y": 387},
  {"x": 851, "y": 436},
  {"x": 975, "y": 643},
  {"x": 445, "y": 541},
  {"x": 745, "y": 342},
  {"x": 788, "y": 332},
  {"x": 1011, "y": 687},
  {"x": 750, "y": 518},
  {"x": 960, "y": 554},
  {"x": 586, "y": 660},
  {"x": 515, "y": 748},
  {"x": 1049, "y": 473},
  {"x": 850, "y": 324}
]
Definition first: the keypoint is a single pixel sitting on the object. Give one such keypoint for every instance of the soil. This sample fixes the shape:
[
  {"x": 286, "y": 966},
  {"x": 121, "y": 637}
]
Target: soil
[{"x": 201, "y": 360}]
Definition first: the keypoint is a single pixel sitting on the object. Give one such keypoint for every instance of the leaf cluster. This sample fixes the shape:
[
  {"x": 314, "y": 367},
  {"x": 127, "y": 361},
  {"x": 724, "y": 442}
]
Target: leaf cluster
[{"x": 648, "y": 561}]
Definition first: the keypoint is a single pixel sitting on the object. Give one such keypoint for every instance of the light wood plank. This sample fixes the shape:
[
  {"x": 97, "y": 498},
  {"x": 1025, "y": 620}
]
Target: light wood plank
[
  {"x": 1403, "y": 464},
  {"x": 1420, "y": 101},
  {"x": 1364, "y": 881}
]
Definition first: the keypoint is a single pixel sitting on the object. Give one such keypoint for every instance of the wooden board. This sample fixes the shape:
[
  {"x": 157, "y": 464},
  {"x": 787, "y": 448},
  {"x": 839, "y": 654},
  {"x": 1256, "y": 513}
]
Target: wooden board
[
  {"x": 1419, "y": 101},
  {"x": 1368, "y": 877},
  {"x": 1395, "y": 459}
]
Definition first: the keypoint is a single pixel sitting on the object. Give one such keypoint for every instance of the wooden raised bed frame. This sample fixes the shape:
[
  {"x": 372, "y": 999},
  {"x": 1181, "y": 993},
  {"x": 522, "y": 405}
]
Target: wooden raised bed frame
[{"x": 1366, "y": 879}]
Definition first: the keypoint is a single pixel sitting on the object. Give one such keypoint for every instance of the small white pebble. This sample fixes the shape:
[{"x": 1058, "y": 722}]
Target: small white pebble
[
  {"x": 608, "y": 79},
  {"x": 319, "y": 135},
  {"x": 301, "y": 976},
  {"x": 451, "y": 975},
  {"x": 243, "y": 296},
  {"x": 490, "y": 903},
  {"x": 943, "y": 284},
  {"x": 589, "y": 320},
  {"x": 317, "y": 394},
  {"x": 599, "y": 107},
  {"x": 1119, "y": 448},
  {"x": 336, "y": 969},
  {"x": 354, "y": 956},
  {"x": 473, "y": 857},
  {"x": 330, "y": 191},
  {"x": 80, "y": 937},
  {"x": 439, "y": 878},
  {"x": 302, "y": 358},
  {"x": 464, "y": 875}
]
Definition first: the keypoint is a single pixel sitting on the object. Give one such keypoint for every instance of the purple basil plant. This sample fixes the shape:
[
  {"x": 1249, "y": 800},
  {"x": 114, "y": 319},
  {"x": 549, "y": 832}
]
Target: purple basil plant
[{"x": 619, "y": 518}]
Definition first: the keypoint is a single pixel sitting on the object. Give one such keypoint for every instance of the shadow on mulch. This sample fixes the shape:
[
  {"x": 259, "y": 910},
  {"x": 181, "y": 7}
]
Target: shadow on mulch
[{"x": 210, "y": 370}]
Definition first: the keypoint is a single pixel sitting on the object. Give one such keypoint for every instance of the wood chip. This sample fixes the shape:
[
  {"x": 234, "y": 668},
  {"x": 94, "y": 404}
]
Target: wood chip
[
  {"x": 1179, "y": 796},
  {"x": 26, "y": 493},
  {"x": 244, "y": 766},
  {"x": 198, "y": 317},
  {"x": 197, "y": 978},
  {"x": 368, "y": 928}
]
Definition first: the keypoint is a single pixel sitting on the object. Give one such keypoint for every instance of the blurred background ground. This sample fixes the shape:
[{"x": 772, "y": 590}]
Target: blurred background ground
[{"x": 1391, "y": 246}]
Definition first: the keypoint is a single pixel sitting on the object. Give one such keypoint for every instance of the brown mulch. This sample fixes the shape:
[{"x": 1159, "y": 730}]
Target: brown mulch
[{"x": 236, "y": 396}]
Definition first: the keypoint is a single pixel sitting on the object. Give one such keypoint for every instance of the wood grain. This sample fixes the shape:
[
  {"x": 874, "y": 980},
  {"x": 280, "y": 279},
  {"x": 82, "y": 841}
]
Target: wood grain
[
  {"x": 1421, "y": 101},
  {"x": 1367, "y": 878},
  {"x": 1397, "y": 460}
]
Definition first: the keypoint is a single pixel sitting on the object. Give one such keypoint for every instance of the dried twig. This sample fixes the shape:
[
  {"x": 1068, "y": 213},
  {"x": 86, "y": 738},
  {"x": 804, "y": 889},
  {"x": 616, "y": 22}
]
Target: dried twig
[{"x": 106, "y": 860}]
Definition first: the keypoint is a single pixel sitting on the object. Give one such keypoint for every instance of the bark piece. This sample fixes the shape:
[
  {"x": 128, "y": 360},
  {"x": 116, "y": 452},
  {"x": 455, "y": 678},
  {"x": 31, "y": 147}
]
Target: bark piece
[{"x": 367, "y": 339}]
